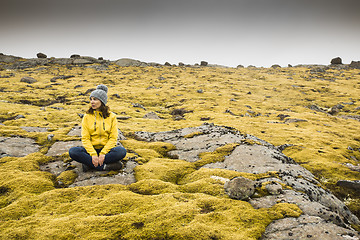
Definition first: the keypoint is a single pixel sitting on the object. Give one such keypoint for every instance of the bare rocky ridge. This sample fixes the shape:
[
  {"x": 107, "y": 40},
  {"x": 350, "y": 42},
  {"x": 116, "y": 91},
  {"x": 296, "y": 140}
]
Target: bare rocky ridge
[{"x": 324, "y": 216}]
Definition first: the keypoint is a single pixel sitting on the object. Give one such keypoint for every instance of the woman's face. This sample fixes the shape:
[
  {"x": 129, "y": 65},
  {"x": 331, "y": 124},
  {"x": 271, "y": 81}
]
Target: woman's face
[{"x": 95, "y": 103}]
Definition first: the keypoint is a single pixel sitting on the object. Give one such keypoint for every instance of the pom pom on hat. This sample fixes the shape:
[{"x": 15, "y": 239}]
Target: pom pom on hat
[
  {"x": 100, "y": 93},
  {"x": 102, "y": 87}
]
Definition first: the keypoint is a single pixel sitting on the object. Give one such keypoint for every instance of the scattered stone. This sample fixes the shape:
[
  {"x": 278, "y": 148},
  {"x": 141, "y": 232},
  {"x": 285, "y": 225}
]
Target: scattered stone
[
  {"x": 61, "y": 77},
  {"x": 200, "y": 91},
  {"x": 240, "y": 188},
  {"x": 50, "y": 137},
  {"x": 240, "y": 66},
  {"x": 138, "y": 105},
  {"x": 41, "y": 55},
  {"x": 151, "y": 115},
  {"x": 355, "y": 64},
  {"x": 118, "y": 117},
  {"x": 294, "y": 120},
  {"x": 180, "y": 112},
  {"x": 276, "y": 66},
  {"x": 335, "y": 109},
  {"x": 75, "y": 56},
  {"x": 349, "y": 184},
  {"x": 19, "y": 116},
  {"x": 29, "y": 80},
  {"x": 336, "y": 60},
  {"x": 203, "y": 63},
  {"x": 283, "y": 116},
  {"x": 167, "y": 64},
  {"x": 127, "y": 62}
]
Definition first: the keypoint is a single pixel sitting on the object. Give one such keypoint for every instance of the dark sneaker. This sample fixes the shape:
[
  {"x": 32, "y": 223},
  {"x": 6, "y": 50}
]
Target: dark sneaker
[
  {"x": 113, "y": 166},
  {"x": 86, "y": 168}
]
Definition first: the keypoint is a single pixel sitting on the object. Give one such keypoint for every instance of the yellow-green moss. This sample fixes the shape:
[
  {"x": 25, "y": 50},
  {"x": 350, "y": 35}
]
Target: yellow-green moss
[
  {"x": 112, "y": 212},
  {"x": 158, "y": 147},
  {"x": 33, "y": 209},
  {"x": 153, "y": 187},
  {"x": 66, "y": 178},
  {"x": 217, "y": 156},
  {"x": 193, "y": 134},
  {"x": 168, "y": 170}
]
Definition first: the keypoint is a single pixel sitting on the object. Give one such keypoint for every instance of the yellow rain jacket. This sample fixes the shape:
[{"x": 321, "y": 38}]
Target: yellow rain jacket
[{"x": 99, "y": 133}]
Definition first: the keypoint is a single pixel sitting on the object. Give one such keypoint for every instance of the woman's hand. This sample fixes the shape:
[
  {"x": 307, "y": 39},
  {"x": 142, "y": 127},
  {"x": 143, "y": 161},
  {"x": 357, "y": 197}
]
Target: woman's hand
[
  {"x": 101, "y": 160},
  {"x": 95, "y": 161}
]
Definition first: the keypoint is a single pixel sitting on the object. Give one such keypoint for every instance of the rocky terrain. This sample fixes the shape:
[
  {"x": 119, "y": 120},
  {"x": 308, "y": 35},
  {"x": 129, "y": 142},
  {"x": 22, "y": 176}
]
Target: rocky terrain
[{"x": 213, "y": 152}]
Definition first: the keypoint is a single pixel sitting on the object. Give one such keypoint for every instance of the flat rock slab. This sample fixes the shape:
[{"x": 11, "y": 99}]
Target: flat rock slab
[
  {"x": 324, "y": 216},
  {"x": 306, "y": 227},
  {"x": 17, "y": 147},
  {"x": 60, "y": 148},
  {"x": 125, "y": 176},
  {"x": 76, "y": 131},
  {"x": 35, "y": 129}
]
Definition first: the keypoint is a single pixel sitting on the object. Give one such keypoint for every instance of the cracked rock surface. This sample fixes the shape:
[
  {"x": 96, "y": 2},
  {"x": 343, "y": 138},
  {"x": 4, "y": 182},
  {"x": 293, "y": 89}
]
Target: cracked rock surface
[{"x": 324, "y": 216}]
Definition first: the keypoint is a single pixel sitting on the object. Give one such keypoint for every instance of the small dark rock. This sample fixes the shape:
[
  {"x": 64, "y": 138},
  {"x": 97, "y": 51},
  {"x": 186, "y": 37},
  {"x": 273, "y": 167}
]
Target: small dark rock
[
  {"x": 29, "y": 80},
  {"x": 203, "y": 63},
  {"x": 41, "y": 55},
  {"x": 275, "y": 66},
  {"x": 75, "y": 56},
  {"x": 19, "y": 116}
]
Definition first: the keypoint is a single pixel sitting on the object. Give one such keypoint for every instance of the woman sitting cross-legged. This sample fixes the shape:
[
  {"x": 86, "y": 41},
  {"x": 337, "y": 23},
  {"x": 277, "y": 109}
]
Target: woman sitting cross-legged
[{"x": 99, "y": 134}]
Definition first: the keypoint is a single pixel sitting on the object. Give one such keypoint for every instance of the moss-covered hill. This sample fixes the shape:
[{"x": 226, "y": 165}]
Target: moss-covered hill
[{"x": 315, "y": 109}]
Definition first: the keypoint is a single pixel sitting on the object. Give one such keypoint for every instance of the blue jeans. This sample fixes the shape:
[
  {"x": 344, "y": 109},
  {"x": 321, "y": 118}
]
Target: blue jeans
[{"x": 80, "y": 155}]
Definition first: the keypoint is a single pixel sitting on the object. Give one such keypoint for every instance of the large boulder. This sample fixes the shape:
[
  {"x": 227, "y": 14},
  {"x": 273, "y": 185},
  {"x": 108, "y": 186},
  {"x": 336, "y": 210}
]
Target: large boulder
[
  {"x": 336, "y": 60},
  {"x": 355, "y": 64},
  {"x": 8, "y": 58},
  {"x": 127, "y": 62}
]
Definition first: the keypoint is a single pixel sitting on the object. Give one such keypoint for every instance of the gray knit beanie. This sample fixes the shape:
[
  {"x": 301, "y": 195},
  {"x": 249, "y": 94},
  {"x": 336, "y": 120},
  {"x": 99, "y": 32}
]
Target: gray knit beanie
[{"x": 100, "y": 93}]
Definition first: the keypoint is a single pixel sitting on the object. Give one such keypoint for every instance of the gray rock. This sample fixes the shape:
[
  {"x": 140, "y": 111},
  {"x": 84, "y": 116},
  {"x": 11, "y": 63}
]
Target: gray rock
[
  {"x": 151, "y": 115},
  {"x": 8, "y": 58},
  {"x": 60, "y": 148},
  {"x": 274, "y": 188},
  {"x": 29, "y": 80},
  {"x": 323, "y": 215},
  {"x": 336, "y": 60},
  {"x": 203, "y": 63},
  {"x": 355, "y": 64},
  {"x": 41, "y": 55},
  {"x": 349, "y": 184},
  {"x": 127, "y": 62},
  {"x": 17, "y": 147},
  {"x": 240, "y": 188},
  {"x": 307, "y": 227},
  {"x": 75, "y": 131},
  {"x": 35, "y": 129}
]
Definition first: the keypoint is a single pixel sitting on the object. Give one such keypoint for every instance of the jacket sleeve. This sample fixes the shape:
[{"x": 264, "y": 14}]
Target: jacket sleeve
[
  {"x": 85, "y": 137},
  {"x": 111, "y": 143}
]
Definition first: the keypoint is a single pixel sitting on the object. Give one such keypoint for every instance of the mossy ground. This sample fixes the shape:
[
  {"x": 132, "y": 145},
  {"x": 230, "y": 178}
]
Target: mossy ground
[{"x": 172, "y": 199}]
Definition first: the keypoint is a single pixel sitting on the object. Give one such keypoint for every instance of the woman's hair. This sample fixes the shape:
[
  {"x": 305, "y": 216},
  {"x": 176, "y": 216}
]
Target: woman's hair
[{"x": 105, "y": 110}]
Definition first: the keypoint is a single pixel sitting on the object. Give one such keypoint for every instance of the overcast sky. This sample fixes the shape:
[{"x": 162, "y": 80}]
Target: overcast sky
[{"x": 225, "y": 32}]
